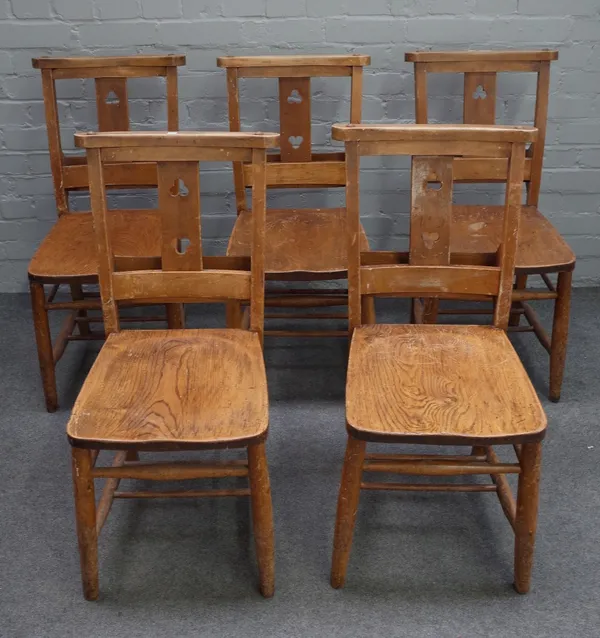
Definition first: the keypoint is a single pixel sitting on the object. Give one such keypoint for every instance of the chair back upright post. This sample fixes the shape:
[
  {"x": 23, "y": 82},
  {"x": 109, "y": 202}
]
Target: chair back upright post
[
  {"x": 182, "y": 274},
  {"x": 480, "y": 69},
  {"x": 431, "y": 269},
  {"x": 110, "y": 74},
  {"x": 295, "y": 166}
]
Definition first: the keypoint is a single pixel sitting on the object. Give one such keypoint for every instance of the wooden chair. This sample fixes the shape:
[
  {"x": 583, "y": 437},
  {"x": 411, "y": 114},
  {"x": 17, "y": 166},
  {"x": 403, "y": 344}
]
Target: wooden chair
[
  {"x": 434, "y": 384},
  {"x": 303, "y": 244},
  {"x": 67, "y": 257},
  {"x": 165, "y": 390},
  {"x": 541, "y": 248}
]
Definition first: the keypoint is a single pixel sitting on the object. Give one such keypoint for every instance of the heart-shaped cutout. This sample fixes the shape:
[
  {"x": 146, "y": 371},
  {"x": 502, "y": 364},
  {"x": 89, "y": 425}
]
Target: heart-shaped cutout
[
  {"x": 112, "y": 98},
  {"x": 480, "y": 93},
  {"x": 429, "y": 239},
  {"x": 295, "y": 141},
  {"x": 179, "y": 189},
  {"x": 294, "y": 97}
]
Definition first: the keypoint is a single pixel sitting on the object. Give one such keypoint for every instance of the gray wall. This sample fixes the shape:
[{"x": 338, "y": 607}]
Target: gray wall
[{"x": 385, "y": 29}]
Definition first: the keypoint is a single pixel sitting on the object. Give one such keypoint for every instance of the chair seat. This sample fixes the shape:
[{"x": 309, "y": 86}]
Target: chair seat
[
  {"x": 439, "y": 384},
  {"x": 69, "y": 249},
  {"x": 298, "y": 240},
  {"x": 173, "y": 389},
  {"x": 541, "y": 247}
]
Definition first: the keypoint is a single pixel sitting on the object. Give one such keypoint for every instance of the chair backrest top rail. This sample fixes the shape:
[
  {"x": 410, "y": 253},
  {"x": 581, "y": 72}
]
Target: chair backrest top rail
[{"x": 82, "y": 62}]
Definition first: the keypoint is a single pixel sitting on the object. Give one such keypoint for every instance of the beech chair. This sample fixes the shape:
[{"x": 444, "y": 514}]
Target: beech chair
[
  {"x": 165, "y": 390},
  {"x": 302, "y": 244},
  {"x": 67, "y": 255},
  {"x": 438, "y": 384},
  {"x": 541, "y": 249}
]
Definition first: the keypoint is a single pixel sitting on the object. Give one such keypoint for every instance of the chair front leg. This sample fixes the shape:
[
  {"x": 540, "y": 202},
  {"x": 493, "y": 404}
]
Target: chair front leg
[
  {"x": 347, "y": 508},
  {"x": 262, "y": 517},
  {"x": 85, "y": 515},
  {"x": 560, "y": 333},
  {"x": 527, "y": 512},
  {"x": 44, "y": 344}
]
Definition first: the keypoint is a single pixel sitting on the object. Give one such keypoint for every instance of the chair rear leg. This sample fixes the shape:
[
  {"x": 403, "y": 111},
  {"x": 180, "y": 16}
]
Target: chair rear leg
[
  {"x": 85, "y": 514},
  {"x": 262, "y": 517},
  {"x": 77, "y": 295},
  {"x": 515, "y": 317},
  {"x": 175, "y": 316},
  {"x": 368, "y": 310},
  {"x": 560, "y": 334},
  {"x": 431, "y": 308},
  {"x": 44, "y": 345},
  {"x": 347, "y": 508},
  {"x": 527, "y": 511},
  {"x": 233, "y": 314}
]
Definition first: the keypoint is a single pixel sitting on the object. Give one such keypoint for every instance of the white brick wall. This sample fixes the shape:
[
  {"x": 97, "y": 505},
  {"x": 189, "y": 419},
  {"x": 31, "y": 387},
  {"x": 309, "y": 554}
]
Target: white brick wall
[{"x": 385, "y": 29}]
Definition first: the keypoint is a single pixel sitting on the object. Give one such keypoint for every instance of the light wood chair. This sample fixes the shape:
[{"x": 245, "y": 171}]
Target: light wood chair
[
  {"x": 433, "y": 384},
  {"x": 303, "y": 244},
  {"x": 541, "y": 249},
  {"x": 165, "y": 390},
  {"x": 67, "y": 255}
]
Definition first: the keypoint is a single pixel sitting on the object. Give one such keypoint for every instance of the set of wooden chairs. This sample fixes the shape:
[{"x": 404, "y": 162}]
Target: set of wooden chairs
[{"x": 181, "y": 389}]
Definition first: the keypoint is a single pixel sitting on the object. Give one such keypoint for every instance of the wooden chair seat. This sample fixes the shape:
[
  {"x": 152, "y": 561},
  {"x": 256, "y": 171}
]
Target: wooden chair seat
[
  {"x": 463, "y": 385},
  {"x": 173, "y": 389},
  {"x": 298, "y": 240},
  {"x": 69, "y": 249},
  {"x": 540, "y": 248}
]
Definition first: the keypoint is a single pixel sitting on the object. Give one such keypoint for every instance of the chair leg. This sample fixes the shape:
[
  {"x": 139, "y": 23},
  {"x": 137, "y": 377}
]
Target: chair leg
[
  {"x": 233, "y": 314},
  {"x": 368, "y": 310},
  {"x": 515, "y": 317},
  {"x": 262, "y": 517},
  {"x": 132, "y": 455},
  {"x": 85, "y": 513},
  {"x": 560, "y": 334},
  {"x": 175, "y": 316},
  {"x": 527, "y": 511},
  {"x": 431, "y": 309},
  {"x": 44, "y": 345},
  {"x": 347, "y": 508},
  {"x": 77, "y": 295}
]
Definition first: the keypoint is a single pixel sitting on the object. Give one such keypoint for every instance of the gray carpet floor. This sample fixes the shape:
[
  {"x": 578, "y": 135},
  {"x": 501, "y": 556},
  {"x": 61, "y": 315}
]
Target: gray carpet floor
[{"x": 422, "y": 564}]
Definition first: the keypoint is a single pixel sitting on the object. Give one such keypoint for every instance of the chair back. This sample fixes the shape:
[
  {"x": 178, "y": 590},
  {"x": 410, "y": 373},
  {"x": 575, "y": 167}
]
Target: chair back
[
  {"x": 110, "y": 75},
  {"x": 429, "y": 270},
  {"x": 480, "y": 69},
  {"x": 295, "y": 166},
  {"x": 182, "y": 274}
]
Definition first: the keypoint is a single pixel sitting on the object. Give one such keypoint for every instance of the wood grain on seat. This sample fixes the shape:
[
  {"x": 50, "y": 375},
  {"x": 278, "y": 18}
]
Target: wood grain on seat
[
  {"x": 541, "y": 248},
  {"x": 69, "y": 249},
  {"x": 173, "y": 389},
  {"x": 298, "y": 240},
  {"x": 462, "y": 384}
]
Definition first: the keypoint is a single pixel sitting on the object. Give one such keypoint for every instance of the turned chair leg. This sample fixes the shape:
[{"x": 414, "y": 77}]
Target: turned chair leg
[
  {"x": 175, "y": 316},
  {"x": 515, "y": 317},
  {"x": 347, "y": 508},
  {"x": 44, "y": 344},
  {"x": 368, "y": 310},
  {"x": 262, "y": 517},
  {"x": 85, "y": 514},
  {"x": 233, "y": 314},
  {"x": 560, "y": 333},
  {"x": 527, "y": 511}
]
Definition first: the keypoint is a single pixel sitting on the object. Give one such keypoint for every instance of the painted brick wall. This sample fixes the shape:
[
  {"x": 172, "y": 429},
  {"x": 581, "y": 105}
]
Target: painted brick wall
[{"x": 385, "y": 29}]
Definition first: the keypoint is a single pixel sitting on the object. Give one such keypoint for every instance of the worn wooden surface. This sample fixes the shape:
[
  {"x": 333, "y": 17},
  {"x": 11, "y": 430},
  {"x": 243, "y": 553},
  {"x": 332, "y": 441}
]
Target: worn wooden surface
[
  {"x": 298, "y": 240},
  {"x": 430, "y": 383},
  {"x": 69, "y": 250},
  {"x": 173, "y": 389},
  {"x": 541, "y": 248}
]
